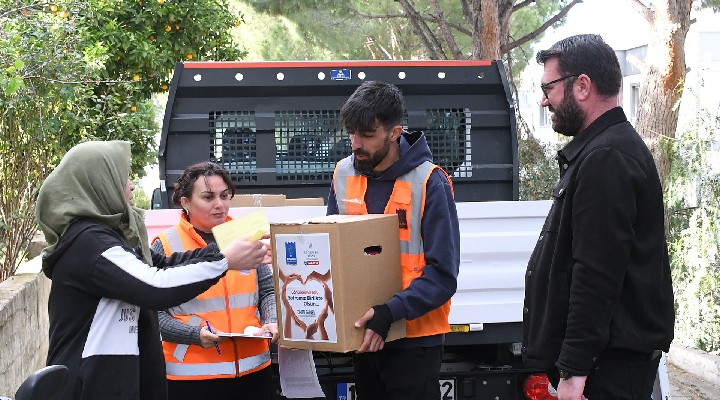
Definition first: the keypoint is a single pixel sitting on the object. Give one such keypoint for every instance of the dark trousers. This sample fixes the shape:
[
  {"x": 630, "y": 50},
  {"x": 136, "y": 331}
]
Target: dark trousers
[
  {"x": 620, "y": 375},
  {"x": 398, "y": 374},
  {"x": 257, "y": 385}
]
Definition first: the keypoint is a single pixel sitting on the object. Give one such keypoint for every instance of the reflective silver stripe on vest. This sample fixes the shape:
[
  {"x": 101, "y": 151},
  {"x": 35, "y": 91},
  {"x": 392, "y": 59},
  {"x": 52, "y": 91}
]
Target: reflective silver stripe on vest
[
  {"x": 200, "y": 306},
  {"x": 343, "y": 169},
  {"x": 221, "y": 368},
  {"x": 416, "y": 178},
  {"x": 173, "y": 238},
  {"x": 181, "y": 349}
]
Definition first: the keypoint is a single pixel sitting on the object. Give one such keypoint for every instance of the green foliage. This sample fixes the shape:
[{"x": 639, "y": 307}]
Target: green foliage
[
  {"x": 523, "y": 22},
  {"x": 42, "y": 67},
  {"x": 370, "y": 29},
  {"x": 713, "y": 4},
  {"x": 539, "y": 172},
  {"x": 86, "y": 70},
  {"x": 138, "y": 44},
  {"x": 693, "y": 208},
  {"x": 140, "y": 198},
  {"x": 290, "y": 31},
  {"x": 140, "y": 41}
]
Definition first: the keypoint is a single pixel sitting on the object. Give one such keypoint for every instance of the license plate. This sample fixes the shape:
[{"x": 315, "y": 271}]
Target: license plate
[{"x": 346, "y": 391}]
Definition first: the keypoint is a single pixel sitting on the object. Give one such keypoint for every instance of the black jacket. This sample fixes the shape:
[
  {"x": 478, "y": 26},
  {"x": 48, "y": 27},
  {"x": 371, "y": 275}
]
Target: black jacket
[
  {"x": 103, "y": 323},
  {"x": 599, "y": 277}
]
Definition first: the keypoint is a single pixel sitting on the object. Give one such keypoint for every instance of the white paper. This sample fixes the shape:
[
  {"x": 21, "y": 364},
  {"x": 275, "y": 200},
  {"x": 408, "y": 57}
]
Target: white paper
[
  {"x": 244, "y": 335},
  {"x": 298, "y": 377}
]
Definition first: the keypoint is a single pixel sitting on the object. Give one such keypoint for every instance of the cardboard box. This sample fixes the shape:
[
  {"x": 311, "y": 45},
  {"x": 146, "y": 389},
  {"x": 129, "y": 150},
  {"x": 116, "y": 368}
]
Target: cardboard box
[
  {"x": 258, "y": 200},
  {"x": 328, "y": 272},
  {"x": 305, "y": 201}
]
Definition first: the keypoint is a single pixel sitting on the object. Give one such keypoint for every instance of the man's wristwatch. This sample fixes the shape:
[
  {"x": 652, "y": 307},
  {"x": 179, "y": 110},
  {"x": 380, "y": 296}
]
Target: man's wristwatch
[{"x": 564, "y": 375}]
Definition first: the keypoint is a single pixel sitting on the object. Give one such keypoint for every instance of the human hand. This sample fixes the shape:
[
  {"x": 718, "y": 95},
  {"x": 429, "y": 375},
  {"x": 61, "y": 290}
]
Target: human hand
[
  {"x": 572, "y": 388},
  {"x": 208, "y": 339},
  {"x": 270, "y": 328},
  {"x": 243, "y": 255},
  {"x": 372, "y": 342}
]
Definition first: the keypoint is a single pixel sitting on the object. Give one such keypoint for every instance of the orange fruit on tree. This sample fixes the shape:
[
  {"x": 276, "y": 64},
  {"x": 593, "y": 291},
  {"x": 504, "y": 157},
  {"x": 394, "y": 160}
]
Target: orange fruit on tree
[
  {"x": 54, "y": 8},
  {"x": 136, "y": 77},
  {"x": 167, "y": 28},
  {"x": 133, "y": 108},
  {"x": 189, "y": 56},
  {"x": 164, "y": 86}
]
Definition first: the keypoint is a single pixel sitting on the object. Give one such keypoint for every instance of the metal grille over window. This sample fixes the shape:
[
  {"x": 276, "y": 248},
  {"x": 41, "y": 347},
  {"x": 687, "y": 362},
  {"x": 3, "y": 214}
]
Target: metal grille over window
[
  {"x": 448, "y": 135},
  {"x": 233, "y": 143},
  {"x": 309, "y": 144}
]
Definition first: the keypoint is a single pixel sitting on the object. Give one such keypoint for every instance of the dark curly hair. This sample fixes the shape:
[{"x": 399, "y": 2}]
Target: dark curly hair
[
  {"x": 186, "y": 183},
  {"x": 372, "y": 103}
]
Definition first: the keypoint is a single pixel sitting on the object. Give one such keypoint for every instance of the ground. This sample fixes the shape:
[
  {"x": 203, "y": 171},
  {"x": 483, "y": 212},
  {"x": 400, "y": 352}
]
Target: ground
[{"x": 685, "y": 386}]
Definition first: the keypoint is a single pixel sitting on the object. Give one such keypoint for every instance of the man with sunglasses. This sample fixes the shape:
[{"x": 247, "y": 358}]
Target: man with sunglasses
[{"x": 598, "y": 293}]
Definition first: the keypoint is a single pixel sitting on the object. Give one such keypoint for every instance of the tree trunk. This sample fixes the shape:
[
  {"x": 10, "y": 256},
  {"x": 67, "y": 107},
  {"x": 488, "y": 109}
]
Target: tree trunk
[
  {"x": 662, "y": 88},
  {"x": 490, "y": 27}
]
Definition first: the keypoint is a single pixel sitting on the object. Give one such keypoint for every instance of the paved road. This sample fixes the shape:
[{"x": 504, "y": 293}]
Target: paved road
[{"x": 685, "y": 386}]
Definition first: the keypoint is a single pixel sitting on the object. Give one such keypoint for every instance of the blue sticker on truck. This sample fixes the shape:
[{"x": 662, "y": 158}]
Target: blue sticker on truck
[{"x": 340, "y": 74}]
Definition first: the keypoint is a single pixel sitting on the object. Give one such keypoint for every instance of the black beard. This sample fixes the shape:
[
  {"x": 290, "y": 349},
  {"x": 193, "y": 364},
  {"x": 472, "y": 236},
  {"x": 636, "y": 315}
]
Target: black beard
[
  {"x": 368, "y": 165},
  {"x": 365, "y": 166},
  {"x": 569, "y": 116}
]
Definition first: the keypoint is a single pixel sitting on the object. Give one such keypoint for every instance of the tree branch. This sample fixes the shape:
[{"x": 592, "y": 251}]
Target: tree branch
[
  {"x": 423, "y": 31},
  {"x": 522, "y": 5},
  {"x": 375, "y": 16},
  {"x": 454, "y": 26},
  {"x": 532, "y": 35},
  {"x": 467, "y": 13},
  {"x": 642, "y": 9},
  {"x": 445, "y": 30}
]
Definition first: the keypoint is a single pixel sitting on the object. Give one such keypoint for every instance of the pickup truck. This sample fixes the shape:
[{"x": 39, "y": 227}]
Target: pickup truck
[{"x": 274, "y": 126}]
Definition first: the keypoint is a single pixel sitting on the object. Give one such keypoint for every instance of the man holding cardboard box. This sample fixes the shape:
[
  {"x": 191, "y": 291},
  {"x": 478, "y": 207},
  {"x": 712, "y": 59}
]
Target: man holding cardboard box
[{"x": 391, "y": 172}]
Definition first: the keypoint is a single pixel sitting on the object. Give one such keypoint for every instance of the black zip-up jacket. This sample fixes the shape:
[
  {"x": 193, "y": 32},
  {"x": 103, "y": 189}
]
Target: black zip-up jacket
[
  {"x": 102, "y": 309},
  {"x": 599, "y": 277}
]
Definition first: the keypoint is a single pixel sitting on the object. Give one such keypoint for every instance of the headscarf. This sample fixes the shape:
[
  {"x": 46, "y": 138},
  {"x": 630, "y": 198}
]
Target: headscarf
[{"x": 90, "y": 183}]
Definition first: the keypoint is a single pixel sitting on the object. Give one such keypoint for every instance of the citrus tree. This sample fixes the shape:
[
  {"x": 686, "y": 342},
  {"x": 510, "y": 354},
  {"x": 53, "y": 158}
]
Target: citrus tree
[
  {"x": 138, "y": 43},
  {"x": 86, "y": 70}
]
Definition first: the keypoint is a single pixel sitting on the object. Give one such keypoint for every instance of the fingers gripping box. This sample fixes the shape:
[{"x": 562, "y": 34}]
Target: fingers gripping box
[{"x": 328, "y": 272}]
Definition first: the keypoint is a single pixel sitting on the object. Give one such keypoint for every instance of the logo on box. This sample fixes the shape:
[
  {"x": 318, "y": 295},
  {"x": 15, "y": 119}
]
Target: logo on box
[{"x": 290, "y": 253}]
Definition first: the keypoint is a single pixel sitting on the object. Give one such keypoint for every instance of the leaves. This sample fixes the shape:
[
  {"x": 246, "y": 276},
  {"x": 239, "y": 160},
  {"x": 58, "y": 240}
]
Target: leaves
[
  {"x": 693, "y": 206},
  {"x": 87, "y": 70}
]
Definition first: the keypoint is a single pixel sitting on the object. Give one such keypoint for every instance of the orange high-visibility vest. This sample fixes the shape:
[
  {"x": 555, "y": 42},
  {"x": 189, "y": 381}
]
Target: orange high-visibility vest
[
  {"x": 230, "y": 305},
  {"x": 408, "y": 202}
]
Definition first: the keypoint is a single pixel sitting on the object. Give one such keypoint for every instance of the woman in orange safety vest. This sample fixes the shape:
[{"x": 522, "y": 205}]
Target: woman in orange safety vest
[{"x": 199, "y": 363}]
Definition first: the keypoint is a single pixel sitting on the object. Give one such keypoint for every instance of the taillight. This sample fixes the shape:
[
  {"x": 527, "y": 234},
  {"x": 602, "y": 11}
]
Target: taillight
[{"x": 536, "y": 387}]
